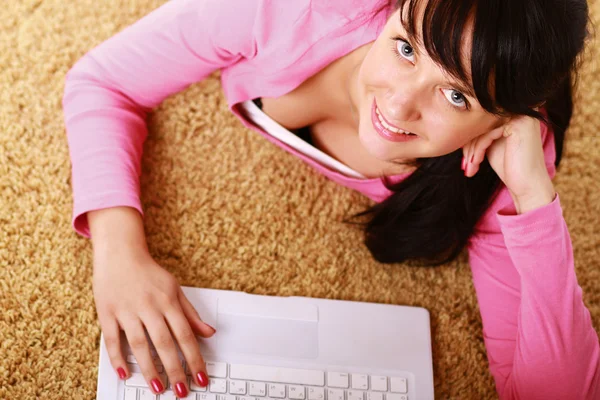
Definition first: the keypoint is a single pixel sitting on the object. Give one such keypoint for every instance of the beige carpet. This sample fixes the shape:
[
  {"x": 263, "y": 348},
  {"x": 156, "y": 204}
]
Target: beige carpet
[{"x": 225, "y": 209}]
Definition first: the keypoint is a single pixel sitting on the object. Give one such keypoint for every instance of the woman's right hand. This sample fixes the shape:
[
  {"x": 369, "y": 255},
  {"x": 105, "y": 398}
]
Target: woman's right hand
[{"x": 133, "y": 292}]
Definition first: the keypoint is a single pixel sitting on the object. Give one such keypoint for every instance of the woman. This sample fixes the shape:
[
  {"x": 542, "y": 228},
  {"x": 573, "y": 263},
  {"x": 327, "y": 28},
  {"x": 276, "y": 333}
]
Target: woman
[{"x": 406, "y": 90}]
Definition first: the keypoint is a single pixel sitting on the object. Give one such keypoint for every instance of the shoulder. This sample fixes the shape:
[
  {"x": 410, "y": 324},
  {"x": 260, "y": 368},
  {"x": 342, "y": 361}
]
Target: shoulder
[
  {"x": 351, "y": 9},
  {"x": 311, "y": 14}
]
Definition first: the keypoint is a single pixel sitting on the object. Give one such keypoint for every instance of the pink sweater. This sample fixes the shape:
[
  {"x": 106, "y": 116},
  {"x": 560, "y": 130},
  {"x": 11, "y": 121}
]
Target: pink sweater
[{"x": 538, "y": 333}]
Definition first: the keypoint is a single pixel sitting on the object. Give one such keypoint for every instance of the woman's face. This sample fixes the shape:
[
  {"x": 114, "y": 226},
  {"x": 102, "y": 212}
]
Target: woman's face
[{"x": 401, "y": 85}]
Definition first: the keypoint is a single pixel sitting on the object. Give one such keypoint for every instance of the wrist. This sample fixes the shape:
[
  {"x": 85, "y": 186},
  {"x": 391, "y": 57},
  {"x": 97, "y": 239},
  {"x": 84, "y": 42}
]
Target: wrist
[
  {"x": 116, "y": 229},
  {"x": 531, "y": 202}
]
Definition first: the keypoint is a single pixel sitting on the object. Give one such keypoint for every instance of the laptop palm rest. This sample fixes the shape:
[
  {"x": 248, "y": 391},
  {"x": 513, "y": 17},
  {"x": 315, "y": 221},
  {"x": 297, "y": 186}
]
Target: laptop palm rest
[{"x": 262, "y": 325}]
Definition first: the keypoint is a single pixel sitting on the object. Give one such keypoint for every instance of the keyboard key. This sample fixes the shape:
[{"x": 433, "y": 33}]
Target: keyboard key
[
  {"x": 216, "y": 369},
  {"x": 146, "y": 394},
  {"x": 278, "y": 375},
  {"x": 237, "y": 387},
  {"x": 130, "y": 393},
  {"x": 356, "y": 395},
  {"x": 167, "y": 395},
  {"x": 360, "y": 381},
  {"x": 206, "y": 396},
  {"x": 396, "y": 396},
  {"x": 374, "y": 396},
  {"x": 195, "y": 387},
  {"x": 277, "y": 390},
  {"x": 257, "y": 389},
  {"x": 398, "y": 385},
  {"x": 296, "y": 392},
  {"x": 316, "y": 393},
  {"x": 379, "y": 383},
  {"x": 337, "y": 380},
  {"x": 218, "y": 385},
  {"x": 137, "y": 379},
  {"x": 335, "y": 394},
  {"x": 226, "y": 397}
]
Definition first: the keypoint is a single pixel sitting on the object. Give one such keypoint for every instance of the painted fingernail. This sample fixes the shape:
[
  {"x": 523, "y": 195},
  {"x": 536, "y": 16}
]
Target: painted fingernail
[
  {"x": 156, "y": 385},
  {"x": 202, "y": 378},
  {"x": 121, "y": 373},
  {"x": 180, "y": 389}
]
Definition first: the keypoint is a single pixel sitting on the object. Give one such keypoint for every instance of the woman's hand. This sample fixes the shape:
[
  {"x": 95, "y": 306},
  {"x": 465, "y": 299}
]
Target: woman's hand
[
  {"x": 133, "y": 293},
  {"x": 516, "y": 153}
]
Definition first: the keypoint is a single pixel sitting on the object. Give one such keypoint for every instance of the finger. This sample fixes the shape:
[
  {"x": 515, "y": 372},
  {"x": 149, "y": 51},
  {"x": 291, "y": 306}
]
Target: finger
[
  {"x": 469, "y": 157},
  {"x": 464, "y": 157},
  {"x": 112, "y": 341},
  {"x": 189, "y": 346},
  {"x": 482, "y": 144},
  {"x": 136, "y": 337},
  {"x": 194, "y": 319},
  {"x": 162, "y": 338}
]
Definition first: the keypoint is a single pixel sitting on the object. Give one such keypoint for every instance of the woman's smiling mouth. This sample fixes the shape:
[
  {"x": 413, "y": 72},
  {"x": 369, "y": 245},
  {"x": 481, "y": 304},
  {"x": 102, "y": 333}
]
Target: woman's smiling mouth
[{"x": 387, "y": 130}]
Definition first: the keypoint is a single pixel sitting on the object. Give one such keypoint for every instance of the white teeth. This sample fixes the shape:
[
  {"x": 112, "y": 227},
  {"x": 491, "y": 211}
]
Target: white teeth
[{"x": 388, "y": 126}]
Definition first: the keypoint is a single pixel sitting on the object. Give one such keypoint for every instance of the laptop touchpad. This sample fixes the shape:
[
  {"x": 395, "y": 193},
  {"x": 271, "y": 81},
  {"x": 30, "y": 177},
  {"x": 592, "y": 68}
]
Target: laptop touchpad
[{"x": 266, "y": 325}]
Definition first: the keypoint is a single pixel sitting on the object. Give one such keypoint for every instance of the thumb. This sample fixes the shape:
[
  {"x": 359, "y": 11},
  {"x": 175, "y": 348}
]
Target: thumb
[{"x": 198, "y": 326}]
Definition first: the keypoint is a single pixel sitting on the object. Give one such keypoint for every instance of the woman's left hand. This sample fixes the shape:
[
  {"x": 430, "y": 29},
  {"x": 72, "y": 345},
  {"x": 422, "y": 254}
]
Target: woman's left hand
[{"x": 516, "y": 153}]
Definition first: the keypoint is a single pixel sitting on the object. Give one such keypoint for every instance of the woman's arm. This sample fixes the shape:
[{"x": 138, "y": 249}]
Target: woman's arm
[
  {"x": 537, "y": 331},
  {"x": 109, "y": 92}
]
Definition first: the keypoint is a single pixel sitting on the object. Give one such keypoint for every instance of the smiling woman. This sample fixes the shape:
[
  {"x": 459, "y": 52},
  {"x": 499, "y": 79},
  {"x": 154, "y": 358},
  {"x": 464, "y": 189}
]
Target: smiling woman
[
  {"x": 457, "y": 70},
  {"x": 369, "y": 85}
]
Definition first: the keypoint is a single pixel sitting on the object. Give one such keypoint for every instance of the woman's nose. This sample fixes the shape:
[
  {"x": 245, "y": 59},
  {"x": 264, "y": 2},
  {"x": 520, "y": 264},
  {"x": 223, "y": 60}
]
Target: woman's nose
[{"x": 403, "y": 102}]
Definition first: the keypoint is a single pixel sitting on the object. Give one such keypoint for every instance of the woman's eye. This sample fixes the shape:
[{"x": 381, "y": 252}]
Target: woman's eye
[
  {"x": 405, "y": 49},
  {"x": 455, "y": 98}
]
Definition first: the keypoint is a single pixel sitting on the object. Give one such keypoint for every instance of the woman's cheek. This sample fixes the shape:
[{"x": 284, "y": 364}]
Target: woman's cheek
[
  {"x": 379, "y": 67},
  {"x": 442, "y": 140}
]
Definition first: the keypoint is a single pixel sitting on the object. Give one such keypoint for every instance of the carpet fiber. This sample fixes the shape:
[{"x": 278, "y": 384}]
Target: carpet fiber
[{"x": 224, "y": 209}]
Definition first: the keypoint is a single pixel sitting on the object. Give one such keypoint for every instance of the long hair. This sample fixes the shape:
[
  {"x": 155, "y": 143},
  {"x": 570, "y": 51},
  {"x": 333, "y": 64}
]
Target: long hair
[{"x": 527, "y": 51}]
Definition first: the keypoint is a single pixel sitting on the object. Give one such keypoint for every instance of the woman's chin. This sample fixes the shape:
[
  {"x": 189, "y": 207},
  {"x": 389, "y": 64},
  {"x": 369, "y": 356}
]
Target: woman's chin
[{"x": 378, "y": 147}]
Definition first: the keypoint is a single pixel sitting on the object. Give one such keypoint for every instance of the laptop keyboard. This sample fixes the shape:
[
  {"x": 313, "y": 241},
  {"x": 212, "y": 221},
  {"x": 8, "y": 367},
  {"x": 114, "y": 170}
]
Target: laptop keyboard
[{"x": 229, "y": 381}]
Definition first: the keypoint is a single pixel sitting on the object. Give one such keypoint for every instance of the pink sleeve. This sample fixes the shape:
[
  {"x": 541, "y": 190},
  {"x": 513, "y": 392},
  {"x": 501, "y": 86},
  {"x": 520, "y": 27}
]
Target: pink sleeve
[
  {"x": 537, "y": 331},
  {"x": 109, "y": 92}
]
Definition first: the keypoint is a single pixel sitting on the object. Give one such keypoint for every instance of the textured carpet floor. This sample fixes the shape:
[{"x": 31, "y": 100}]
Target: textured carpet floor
[{"x": 269, "y": 224}]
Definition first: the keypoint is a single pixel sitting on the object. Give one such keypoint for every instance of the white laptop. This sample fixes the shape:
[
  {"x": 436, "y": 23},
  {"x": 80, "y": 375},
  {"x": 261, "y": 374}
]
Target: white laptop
[{"x": 297, "y": 348}]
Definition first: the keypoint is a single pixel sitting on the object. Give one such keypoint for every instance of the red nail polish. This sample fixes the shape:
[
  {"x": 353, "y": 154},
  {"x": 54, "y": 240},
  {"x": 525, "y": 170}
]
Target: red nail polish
[
  {"x": 214, "y": 330},
  {"x": 121, "y": 373},
  {"x": 202, "y": 379},
  {"x": 180, "y": 389},
  {"x": 156, "y": 385}
]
